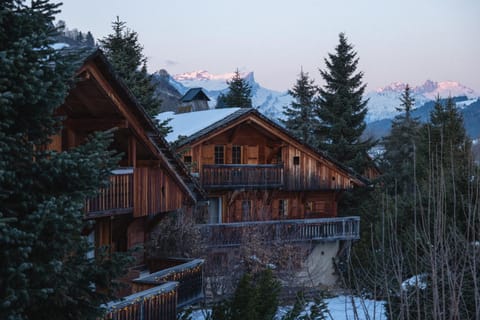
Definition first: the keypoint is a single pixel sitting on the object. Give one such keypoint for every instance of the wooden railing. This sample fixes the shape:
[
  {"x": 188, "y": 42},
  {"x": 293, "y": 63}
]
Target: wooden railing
[
  {"x": 159, "y": 302},
  {"x": 118, "y": 196},
  {"x": 328, "y": 229},
  {"x": 242, "y": 176},
  {"x": 188, "y": 274}
]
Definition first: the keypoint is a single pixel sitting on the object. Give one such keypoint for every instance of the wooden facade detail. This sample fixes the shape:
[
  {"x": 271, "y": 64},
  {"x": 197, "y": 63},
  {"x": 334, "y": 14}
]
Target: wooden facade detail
[
  {"x": 234, "y": 234},
  {"x": 254, "y": 170},
  {"x": 116, "y": 198},
  {"x": 159, "y": 302},
  {"x": 155, "y": 192}
]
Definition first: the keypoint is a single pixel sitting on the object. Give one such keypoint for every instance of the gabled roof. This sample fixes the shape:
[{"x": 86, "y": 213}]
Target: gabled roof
[
  {"x": 194, "y": 94},
  {"x": 148, "y": 129},
  {"x": 243, "y": 113}
]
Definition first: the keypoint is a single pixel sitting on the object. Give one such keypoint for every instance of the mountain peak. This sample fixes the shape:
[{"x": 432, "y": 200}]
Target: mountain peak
[{"x": 431, "y": 89}]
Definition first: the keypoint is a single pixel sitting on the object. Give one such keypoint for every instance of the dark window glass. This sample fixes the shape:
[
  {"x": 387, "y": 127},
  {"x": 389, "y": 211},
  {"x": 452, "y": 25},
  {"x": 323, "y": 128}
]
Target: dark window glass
[
  {"x": 236, "y": 154},
  {"x": 296, "y": 160},
  {"x": 187, "y": 159},
  {"x": 219, "y": 155}
]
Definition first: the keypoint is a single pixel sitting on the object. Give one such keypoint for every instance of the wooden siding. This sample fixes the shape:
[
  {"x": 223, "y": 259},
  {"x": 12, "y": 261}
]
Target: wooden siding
[
  {"x": 259, "y": 148},
  {"x": 155, "y": 191},
  {"x": 265, "y": 205},
  {"x": 117, "y": 196}
]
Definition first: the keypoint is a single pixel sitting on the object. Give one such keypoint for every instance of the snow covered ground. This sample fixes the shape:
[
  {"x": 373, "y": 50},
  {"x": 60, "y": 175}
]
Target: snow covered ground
[{"x": 340, "y": 308}]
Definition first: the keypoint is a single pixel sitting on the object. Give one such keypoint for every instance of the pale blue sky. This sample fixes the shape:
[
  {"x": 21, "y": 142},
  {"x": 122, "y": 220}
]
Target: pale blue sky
[{"x": 401, "y": 40}]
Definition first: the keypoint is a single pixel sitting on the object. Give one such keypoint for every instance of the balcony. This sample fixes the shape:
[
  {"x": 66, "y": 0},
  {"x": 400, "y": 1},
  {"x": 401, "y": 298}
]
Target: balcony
[
  {"x": 159, "y": 302},
  {"x": 328, "y": 229},
  {"x": 235, "y": 176},
  {"x": 187, "y": 273},
  {"x": 116, "y": 198},
  {"x": 160, "y": 294}
]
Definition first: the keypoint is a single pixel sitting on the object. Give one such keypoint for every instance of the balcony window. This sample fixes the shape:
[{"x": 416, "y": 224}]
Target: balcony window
[
  {"x": 236, "y": 154},
  {"x": 219, "y": 154},
  {"x": 296, "y": 160},
  {"x": 282, "y": 208}
]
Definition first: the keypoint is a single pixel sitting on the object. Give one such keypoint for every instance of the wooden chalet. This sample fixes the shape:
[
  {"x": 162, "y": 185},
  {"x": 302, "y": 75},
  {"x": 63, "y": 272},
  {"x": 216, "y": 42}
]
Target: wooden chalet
[
  {"x": 148, "y": 183},
  {"x": 259, "y": 177},
  {"x": 193, "y": 100}
]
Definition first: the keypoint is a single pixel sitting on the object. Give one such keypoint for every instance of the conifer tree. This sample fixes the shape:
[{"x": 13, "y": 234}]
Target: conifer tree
[
  {"x": 342, "y": 108},
  {"x": 125, "y": 52},
  {"x": 301, "y": 115},
  {"x": 89, "y": 41},
  {"x": 239, "y": 93},
  {"x": 44, "y": 269},
  {"x": 400, "y": 147}
]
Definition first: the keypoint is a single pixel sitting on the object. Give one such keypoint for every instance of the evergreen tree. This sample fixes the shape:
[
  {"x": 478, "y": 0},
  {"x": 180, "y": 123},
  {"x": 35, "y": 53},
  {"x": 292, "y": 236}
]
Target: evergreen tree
[
  {"x": 342, "y": 109},
  {"x": 89, "y": 41},
  {"x": 445, "y": 150},
  {"x": 239, "y": 93},
  {"x": 400, "y": 147},
  {"x": 256, "y": 298},
  {"x": 125, "y": 52},
  {"x": 44, "y": 269},
  {"x": 302, "y": 120}
]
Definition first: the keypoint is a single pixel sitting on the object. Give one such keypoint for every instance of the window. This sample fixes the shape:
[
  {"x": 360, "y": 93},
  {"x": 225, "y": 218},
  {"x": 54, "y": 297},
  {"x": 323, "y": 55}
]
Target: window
[
  {"x": 219, "y": 155},
  {"x": 187, "y": 159},
  {"x": 246, "y": 208},
  {"x": 282, "y": 208},
  {"x": 236, "y": 154},
  {"x": 296, "y": 160}
]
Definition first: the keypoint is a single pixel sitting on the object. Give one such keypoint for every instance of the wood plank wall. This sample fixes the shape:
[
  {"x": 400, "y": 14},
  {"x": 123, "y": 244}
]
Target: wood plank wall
[{"x": 155, "y": 191}]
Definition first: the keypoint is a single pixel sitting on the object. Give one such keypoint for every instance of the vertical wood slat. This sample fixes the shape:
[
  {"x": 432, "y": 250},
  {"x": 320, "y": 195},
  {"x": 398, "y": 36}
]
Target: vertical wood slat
[
  {"x": 118, "y": 195},
  {"x": 155, "y": 191}
]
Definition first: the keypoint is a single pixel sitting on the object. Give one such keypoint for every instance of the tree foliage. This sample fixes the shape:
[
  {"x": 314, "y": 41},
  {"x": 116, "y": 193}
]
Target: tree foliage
[
  {"x": 44, "y": 269},
  {"x": 239, "y": 93},
  {"x": 342, "y": 108},
  {"x": 125, "y": 52},
  {"x": 301, "y": 115}
]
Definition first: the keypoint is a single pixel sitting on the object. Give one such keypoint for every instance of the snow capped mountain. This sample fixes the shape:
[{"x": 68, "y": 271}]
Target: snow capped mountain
[
  {"x": 269, "y": 102},
  {"x": 383, "y": 101},
  {"x": 381, "y": 105}
]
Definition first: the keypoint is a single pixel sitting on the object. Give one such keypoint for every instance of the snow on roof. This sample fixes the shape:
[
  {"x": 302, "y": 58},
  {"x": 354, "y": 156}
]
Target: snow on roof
[{"x": 186, "y": 124}]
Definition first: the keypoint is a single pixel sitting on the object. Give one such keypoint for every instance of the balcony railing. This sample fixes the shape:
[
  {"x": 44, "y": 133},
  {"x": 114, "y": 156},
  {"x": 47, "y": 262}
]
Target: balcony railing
[
  {"x": 117, "y": 197},
  {"x": 328, "y": 229},
  {"x": 188, "y": 274},
  {"x": 242, "y": 176},
  {"x": 159, "y": 302}
]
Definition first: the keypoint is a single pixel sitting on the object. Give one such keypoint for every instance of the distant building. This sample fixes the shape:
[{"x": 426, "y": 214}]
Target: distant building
[{"x": 193, "y": 100}]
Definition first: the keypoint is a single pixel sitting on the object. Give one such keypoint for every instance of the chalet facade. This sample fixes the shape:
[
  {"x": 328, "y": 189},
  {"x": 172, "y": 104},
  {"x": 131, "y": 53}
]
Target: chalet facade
[
  {"x": 258, "y": 176},
  {"x": 193, "y": 100},
  {"x": 148, "y": 183}
]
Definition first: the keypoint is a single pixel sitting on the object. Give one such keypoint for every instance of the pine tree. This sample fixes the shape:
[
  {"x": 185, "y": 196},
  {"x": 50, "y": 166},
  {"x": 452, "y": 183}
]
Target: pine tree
[
  {"x": 89, "y": 41},
  {"x": 44, "y": 269},
  {"x": 301, "y": 115},
  {"x": 125, "y": 52},
  {"x": 446, "y": 148},
  {"x": 342, "y": 108},
  {"x": 239, "y": 93},
  {"x": 400, "y": 147}
]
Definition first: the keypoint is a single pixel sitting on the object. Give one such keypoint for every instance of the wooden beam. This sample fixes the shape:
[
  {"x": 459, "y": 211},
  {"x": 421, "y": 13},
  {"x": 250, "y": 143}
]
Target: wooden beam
[
  {"x": 95, "y": 124},
  {"x": 132, "y": 151}
]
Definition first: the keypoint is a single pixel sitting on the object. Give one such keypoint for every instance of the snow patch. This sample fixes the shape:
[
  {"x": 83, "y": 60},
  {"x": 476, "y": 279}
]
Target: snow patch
[{"x": 186, "y": 124}]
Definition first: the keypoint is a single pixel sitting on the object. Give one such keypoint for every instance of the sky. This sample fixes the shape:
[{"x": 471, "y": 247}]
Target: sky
[{"x": 395, "y": 40}]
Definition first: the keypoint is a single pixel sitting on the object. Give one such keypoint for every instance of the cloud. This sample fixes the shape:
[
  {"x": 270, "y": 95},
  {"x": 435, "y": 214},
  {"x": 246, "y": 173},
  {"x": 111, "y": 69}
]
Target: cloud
[{"x": 170, "y": 63}]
